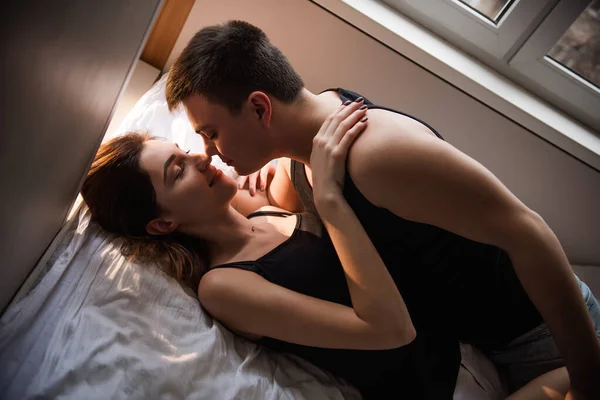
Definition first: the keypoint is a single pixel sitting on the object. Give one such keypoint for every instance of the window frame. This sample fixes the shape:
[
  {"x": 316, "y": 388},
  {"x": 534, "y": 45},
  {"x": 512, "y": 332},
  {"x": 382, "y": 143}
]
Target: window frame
[
  {"x": 496, "y": 39},
  {"x": 531, "y": 60},
  {"x": 492, "y": 83},
  {"x": 523, "y": 61}
]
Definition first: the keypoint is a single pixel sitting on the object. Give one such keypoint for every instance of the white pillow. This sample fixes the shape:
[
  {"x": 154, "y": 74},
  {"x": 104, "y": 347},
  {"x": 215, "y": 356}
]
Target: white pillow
[{"x": 151, "y": 114}]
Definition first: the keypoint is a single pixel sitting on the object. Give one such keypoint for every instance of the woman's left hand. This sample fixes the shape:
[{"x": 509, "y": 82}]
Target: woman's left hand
[{"x": 258, "y": 179}]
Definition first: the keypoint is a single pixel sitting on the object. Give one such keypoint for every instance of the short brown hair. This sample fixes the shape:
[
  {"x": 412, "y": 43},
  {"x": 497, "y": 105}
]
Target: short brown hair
[
  {"x": 225, "y": 63},
  {"x": 122, "y": 200}
]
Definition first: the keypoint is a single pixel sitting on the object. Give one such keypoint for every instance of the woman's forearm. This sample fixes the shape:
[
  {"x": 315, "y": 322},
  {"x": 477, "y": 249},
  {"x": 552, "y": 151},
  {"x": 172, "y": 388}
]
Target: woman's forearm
[{"x": 375, "y": 296}]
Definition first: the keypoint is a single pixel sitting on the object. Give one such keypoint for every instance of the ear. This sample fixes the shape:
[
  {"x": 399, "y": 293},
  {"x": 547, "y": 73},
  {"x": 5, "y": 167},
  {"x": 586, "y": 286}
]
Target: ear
[
  {"x": 159, "y": 226},
  {"x": 262, "y": 107}
]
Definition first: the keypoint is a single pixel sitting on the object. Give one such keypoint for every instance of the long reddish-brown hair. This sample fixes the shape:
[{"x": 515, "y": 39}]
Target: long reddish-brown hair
[{"x": 121, "y": 198}]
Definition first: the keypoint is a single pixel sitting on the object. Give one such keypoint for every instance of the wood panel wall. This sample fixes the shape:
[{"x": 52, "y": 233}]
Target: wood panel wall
[{"x": 166, "y": 29}]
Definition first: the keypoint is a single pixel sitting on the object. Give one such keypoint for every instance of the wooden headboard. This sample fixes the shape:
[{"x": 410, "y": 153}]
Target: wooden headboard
[{"x": 165, "y": 32}]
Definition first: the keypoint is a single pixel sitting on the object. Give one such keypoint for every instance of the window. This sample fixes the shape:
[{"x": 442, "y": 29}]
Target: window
[
  {"x": 563, "y": 56},
  {"x": 491, "y": 9},
  {"x": 551, "y": 47},
  {"x": 493, "y": 26},
  {"x": 579, "y": 48}
]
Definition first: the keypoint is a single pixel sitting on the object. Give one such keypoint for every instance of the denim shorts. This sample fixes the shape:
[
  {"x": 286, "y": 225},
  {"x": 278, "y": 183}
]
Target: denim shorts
[{"x": 535, "y": 353}]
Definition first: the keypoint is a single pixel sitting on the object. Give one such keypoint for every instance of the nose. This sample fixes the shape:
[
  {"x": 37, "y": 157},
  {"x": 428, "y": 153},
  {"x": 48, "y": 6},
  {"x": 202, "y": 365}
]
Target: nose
[
  {"x": 202, "y": 161},
  {"x": 210, "y": 148}
]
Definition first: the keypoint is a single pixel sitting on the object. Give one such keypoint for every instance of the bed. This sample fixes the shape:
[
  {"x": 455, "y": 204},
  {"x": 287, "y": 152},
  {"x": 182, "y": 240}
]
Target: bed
[{"x": 95, "y": 326}]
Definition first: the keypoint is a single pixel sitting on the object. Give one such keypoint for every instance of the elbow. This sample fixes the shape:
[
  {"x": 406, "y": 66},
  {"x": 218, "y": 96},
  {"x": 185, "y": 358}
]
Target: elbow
[
  {"x": 522, "y": 230},
  {"x": 407, "y": 335},
  {"x": 398, "y": 338}
]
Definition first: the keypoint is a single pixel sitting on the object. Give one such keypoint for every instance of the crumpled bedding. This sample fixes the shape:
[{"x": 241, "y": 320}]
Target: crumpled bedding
[{"x": 98, "y": 327}]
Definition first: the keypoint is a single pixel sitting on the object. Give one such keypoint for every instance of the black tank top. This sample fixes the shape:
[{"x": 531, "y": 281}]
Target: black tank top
[
  {"x": 307, "y": 263},
  {"x": 451, "y": 284}
]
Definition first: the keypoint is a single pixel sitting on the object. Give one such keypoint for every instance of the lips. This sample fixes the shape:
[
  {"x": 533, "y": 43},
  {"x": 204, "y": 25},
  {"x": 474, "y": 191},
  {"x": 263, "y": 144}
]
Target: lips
[{"x": 214, "y": 176}]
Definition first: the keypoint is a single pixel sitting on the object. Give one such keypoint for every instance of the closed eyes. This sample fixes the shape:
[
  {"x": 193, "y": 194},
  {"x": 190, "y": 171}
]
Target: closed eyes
[
  {"x": 181, "y": 168},
  {"x": 210, "y": 136}
]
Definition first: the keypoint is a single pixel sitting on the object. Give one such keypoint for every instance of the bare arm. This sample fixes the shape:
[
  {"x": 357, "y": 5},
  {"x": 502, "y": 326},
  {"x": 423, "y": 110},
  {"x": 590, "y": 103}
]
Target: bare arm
[
  {"x": 247, "y": 303},
  {"x": 375, "y": 296},
  {"x": 553, "y": 385},
  {"x": 378, "y": 318},
  {"x": 423, "y": 179}
]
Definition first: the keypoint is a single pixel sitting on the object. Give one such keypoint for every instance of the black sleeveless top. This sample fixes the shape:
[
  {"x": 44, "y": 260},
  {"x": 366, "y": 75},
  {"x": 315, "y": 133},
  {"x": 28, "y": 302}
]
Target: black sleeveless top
[
  {"x": 465, "y": 289},
  {"x": 307, "y": 263}
]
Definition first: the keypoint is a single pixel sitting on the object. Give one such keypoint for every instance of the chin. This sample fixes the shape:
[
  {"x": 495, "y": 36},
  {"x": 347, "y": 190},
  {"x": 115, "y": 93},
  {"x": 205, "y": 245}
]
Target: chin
[
  {"x": 232, "y": 186},
  {"x": 231, "y": 183},
  {"x": 247, "y": 170},
  {"x": 241, "y": 171}
]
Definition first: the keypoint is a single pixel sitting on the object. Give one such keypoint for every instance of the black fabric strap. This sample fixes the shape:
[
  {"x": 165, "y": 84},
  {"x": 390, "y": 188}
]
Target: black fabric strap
[
  {"x": 247, "y": 265},
  {"x": 271, "y": 213},
  {"x": 302, "y": 186}
]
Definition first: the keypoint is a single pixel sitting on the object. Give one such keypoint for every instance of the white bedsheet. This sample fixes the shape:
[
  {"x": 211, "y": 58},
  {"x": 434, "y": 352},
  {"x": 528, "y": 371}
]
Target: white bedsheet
[{"x": 98, "y": 327}]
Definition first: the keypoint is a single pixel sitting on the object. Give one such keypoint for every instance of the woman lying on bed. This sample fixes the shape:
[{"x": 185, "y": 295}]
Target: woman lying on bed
[{"x": 276, "y": 277}]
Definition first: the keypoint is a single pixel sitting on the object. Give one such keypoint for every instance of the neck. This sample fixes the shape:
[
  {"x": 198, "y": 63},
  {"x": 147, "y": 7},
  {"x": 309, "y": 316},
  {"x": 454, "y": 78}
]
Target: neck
[
  {"x": 229, "y": 233},
  {"x": 297, "y": 124}
]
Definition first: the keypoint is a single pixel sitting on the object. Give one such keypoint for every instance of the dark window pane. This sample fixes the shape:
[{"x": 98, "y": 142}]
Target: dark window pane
[{"x": 579, "y": 48}]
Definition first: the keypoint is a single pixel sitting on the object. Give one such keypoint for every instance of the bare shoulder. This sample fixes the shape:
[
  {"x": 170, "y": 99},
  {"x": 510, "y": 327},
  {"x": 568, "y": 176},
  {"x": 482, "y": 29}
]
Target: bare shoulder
[
  {"x": 220, "y": 286},
  {"x": 388, "y": 140},
  {"x": 286, "y": 164},
  {"x": 221, "y": 281},
  {"x": 387, "y": 132},
  {"x": 424, "y": 179}
]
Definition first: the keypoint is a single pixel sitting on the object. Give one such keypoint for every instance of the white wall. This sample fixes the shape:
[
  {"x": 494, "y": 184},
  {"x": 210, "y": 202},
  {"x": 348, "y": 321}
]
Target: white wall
[{"x": 327, "y": 52}]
